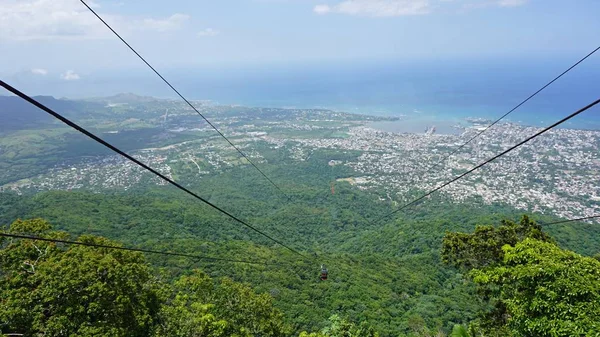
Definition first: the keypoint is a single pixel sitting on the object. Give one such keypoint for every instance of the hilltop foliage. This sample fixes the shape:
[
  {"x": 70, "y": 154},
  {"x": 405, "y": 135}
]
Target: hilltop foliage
[
  {"x": 53, "y": 290},
  {"x": 534, "y": 288},
  {"x": 387, "y": 277}
]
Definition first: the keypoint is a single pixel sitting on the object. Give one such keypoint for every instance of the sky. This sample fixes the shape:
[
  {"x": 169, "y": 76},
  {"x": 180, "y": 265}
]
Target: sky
[{"x": 53, "y": 41}]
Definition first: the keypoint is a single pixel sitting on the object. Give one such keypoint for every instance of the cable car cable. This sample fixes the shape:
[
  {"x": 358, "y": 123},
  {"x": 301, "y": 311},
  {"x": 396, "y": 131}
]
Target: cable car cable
[
  {"x": 490, "y": 160},
  {"x": 571, "y": 220},
  {"x": 503, "y": 116},
  {"x": 139, "y": 163},
  {"x": 141, "y": 250},
  {"x": 513, "y": 109},
  {"x": 186, "y": 101}
]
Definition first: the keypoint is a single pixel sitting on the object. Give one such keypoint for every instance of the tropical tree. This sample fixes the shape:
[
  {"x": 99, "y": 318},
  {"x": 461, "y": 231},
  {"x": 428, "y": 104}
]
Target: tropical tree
[
  {"x": 339, "y": 327},
  {"x": 547, "y": 291},
  {"x": 459, "y": 331},
  {"x": 533, "y": 287},
  {"x": 50, "y": 290},
  {"x": 483, "y": 247},
  {"x": 198, "y": 307}
]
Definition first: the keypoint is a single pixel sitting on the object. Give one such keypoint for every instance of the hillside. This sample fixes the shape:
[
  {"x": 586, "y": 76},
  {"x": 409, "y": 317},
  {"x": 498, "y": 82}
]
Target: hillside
[{"x": 387, "y": 273}]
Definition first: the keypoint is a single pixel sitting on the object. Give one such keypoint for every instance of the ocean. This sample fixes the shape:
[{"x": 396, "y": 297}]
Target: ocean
[{"x": 425, "y": 92}]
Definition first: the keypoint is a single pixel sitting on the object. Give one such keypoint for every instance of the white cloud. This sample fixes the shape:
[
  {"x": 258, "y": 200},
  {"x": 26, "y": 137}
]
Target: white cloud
[
  {"x": 208, "y": 32},
  {"x": 388, "y": 8},
  {"x": 39, "y": 71},
  {"x": 171, "y": 23},
  {"x": 511, "y": 3},
  {"x": 92, "y": 4},
  {"x": 69, "y": 19},
  {"x": 376, "y": 8},
  {"x": 70, "y": 75},
  {"x": 322, "y": 9},
  {"x": 26, "y": 19},
  {"x": 474, "y": 4}
]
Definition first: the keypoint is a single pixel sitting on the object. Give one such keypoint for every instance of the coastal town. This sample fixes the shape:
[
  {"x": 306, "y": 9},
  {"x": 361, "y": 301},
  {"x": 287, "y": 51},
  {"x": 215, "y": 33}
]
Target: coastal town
[{"x": 557, "y": 173}]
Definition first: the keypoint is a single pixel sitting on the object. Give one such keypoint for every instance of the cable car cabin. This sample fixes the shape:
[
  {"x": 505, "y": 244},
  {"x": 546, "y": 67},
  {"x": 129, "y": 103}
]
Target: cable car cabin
[{"x": 323, "y": 276}]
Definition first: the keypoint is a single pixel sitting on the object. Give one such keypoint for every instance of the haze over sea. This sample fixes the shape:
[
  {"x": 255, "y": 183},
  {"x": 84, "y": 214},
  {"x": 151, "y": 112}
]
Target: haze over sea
[{"x": 423, "y": 93}]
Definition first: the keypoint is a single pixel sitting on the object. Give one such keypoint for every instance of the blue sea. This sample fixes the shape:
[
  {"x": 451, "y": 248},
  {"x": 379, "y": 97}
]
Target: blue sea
[{"x": 440, "y": 93}]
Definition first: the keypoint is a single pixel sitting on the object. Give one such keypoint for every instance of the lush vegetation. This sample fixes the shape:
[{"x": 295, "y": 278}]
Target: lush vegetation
[
  {"x": 390, "y": 276},
  {"x": 525, "y": 285},
  {"x": 533, "y": 287},
  {"x": 49, "y": 289},
  {"x": 387, "y": 277}
]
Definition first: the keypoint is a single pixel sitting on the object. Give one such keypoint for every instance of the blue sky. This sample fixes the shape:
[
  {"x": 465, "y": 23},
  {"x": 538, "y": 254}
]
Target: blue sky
[{"x": 61, "y": 40}]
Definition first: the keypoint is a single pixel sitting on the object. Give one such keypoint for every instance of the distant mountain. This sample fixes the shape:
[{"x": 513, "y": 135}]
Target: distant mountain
[
  {"x": 128, "y": 98},
  {"x": 15, "y": 113}
]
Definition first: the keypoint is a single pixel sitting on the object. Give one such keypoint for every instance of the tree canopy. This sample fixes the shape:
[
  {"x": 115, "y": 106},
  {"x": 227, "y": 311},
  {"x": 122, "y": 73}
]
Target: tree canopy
[
  {"x": 56, "y": 290},
  {"x": 534, "y": 287}
]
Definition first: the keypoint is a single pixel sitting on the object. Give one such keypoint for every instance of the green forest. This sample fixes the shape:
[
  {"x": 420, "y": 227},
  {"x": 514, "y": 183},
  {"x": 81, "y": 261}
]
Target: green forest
[
  {"x": 416, "y": 275},
  {"x": 524, "y": 284},
  {"x": 438, "y": 268}
]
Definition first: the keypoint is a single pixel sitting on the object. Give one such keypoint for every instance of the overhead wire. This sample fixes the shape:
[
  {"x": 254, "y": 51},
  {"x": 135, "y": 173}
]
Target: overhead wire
[
  {"x": 141, "y": 250},
  {"x": 501, "y": 118},
  {"x": 489, "y": 160},
  {"x": 571, "y": 220},
  {"x": 271, "y": 181},
  {"x": 187, "y": 101},
  {"x": 139, "y": 163},
  {"x": 513, "y": 109}
]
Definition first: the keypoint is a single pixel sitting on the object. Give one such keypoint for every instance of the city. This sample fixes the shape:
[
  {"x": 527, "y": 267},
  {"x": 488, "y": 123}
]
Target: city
[{"x": 553, "y": 174}]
